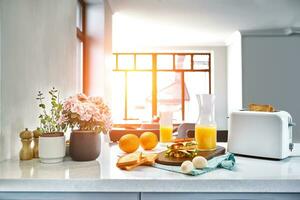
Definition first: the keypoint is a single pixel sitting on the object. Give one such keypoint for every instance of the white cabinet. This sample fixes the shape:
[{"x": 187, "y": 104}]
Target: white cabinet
[
  {"x": 145, "y": 196},
  {"x": 70, "y": 196},
  {"x": 219, "y": 196}
]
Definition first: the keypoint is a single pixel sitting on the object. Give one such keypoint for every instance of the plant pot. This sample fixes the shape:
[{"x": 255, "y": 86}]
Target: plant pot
[
  {"x": 84, "y": 145},
  {"x": 52, "y": 147}
]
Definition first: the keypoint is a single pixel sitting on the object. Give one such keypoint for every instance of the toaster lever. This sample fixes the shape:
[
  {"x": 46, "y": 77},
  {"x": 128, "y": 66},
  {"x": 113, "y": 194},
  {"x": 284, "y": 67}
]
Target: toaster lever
[
  {"x": 292, "y": 124},
  {"x": 291, "y": 146}
]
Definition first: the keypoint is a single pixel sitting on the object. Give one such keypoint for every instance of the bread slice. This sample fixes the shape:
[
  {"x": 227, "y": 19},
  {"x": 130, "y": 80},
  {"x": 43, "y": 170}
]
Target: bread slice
[
  {"x": 130, "y": 167},
  {"x": 148, "y": 159},
  {"x": 261, "y": 108},
  {"x": 129, "y": 159}
]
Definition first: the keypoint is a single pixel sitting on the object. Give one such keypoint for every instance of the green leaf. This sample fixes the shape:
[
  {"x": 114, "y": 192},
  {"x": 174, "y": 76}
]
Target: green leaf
[{"x": 59, "y": 107}]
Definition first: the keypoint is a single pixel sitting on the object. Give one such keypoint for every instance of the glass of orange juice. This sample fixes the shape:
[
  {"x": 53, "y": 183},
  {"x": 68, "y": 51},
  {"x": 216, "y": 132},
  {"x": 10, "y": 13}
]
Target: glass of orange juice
[
  {"x": 206, "y": 137},
  {"x": 206, "y": 128},
  {"x": 165, "y": 127}
]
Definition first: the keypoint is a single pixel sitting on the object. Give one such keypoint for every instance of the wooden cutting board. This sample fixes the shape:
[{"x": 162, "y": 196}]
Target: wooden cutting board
[{"x": 161, "y": 159}]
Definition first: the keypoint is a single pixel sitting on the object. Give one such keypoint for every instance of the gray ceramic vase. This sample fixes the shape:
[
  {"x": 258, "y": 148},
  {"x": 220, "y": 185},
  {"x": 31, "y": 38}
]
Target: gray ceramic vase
[{"x": 84, "y": 145}]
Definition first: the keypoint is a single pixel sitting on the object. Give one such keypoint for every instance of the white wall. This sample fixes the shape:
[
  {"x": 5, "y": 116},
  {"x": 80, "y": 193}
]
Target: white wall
[
  {"x": 38, "y": 43},
  {"x": 271, "y": 68},
  {"x": 108, "y": 50},
  {"x": 234, "y": 73},
  {"x": 219, "y": 83}
]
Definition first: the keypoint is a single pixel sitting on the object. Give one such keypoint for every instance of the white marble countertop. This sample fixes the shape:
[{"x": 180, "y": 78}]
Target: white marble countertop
[{"x": 101, "y": 175}]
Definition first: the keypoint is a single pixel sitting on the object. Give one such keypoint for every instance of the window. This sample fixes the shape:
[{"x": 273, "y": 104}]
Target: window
[
  {"x": 81, "y": 44},
  {"x": 146, "y": 83}
]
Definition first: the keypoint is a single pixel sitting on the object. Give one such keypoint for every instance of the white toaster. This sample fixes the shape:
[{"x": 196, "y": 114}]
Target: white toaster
[{"x": 260, "y": 134}]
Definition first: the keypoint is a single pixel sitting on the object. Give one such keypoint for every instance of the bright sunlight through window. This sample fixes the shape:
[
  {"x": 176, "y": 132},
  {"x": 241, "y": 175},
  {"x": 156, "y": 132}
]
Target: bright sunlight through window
[{"x": 146, "y": 83}]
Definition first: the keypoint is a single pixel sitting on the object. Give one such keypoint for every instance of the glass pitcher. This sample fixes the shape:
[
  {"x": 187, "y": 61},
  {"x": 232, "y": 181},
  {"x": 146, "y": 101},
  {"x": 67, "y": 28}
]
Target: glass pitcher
[{"x": 206, "y": 127}]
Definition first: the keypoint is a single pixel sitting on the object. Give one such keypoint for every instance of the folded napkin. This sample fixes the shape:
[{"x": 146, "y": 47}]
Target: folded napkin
[{"x": 226, "y": 161}]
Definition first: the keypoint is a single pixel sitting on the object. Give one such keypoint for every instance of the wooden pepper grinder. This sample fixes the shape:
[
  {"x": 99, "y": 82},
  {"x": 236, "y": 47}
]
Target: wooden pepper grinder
[
  {"x": 26, "y": 151},
  {"x": 36, "y": 134}
]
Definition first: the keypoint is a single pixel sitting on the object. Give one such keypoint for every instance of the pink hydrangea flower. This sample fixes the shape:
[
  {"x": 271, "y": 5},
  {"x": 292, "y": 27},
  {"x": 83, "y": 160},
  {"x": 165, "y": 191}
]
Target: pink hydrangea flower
[
  {"x": 77, "y": 108},
  {"x": 97, "y": 117},
  {"x": 96, "y": 100},
  {"x": 81, "y": 97},
  {"x": 87, "y": 113}
]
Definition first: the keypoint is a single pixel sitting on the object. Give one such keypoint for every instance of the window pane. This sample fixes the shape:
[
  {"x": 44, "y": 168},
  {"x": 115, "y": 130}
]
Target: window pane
[
  {"x": 164, "y": 61},
  {"x": 79, "y": 16},
  {"x": 126, "y": 61},
  {"x": 79, "y": 63},
  {"x": 139, "y": 95},
  {"x": 201, "y": 61},
  {"x": 144, "y": 61},
  {"x": 183, "y": 61},
  {"x": 196, "y": 83},
  {"x": 169, "y": 93},
  {"x": 118, "y": 96}
]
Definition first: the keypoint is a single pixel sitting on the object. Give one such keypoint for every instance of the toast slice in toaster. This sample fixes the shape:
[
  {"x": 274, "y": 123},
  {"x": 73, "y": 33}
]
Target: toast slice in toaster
[{"x": 261, "y": 108}]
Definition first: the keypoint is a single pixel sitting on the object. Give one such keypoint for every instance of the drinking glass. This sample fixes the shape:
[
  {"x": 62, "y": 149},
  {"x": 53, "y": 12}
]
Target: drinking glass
[{"x": 166, "y": 127}]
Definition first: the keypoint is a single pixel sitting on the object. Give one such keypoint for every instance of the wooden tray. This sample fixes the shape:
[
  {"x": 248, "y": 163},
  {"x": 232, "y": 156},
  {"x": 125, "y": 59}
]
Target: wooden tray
[{"x": 161, "y": 159}]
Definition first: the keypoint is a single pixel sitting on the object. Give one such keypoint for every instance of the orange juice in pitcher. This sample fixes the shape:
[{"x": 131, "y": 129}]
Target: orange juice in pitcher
[{"x": 206, "y": 128}]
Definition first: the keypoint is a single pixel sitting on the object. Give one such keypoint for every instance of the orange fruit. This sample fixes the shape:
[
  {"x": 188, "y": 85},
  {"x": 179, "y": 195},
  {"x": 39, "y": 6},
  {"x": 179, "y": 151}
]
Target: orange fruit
[
  {"x": 148, "y": 140},
  {"x": 129, "y": 143}
]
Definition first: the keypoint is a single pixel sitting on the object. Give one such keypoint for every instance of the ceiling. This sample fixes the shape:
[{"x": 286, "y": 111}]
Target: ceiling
[{"x": 196, "y": 22}]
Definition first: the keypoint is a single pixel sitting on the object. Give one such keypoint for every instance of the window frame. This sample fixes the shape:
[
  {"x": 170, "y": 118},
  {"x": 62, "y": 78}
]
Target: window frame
[
  {"x": 82, "y": 36},
  {"x": 155, "y": 70}
]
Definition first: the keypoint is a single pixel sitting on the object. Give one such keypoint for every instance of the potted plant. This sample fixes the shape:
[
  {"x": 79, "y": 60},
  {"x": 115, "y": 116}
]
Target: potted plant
[
  {"x": 52, "y": 148},
  {"x": 87, "y": 117}
]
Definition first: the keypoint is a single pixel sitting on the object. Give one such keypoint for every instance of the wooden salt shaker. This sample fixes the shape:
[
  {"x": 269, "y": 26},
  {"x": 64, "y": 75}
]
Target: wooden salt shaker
[
  {"x": 26, "y": 151},
  {"x": 36, "y": 134}
]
